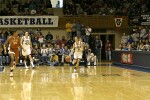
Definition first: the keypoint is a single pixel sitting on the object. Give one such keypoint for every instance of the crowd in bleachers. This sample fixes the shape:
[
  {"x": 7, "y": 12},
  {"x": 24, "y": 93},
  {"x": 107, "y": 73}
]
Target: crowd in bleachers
[
  {"x": 106, "y": 7},
  {"x": 26, "y": 7},
  {"x": 77, "y": 7},
  {"x": 139, "y": 39}
]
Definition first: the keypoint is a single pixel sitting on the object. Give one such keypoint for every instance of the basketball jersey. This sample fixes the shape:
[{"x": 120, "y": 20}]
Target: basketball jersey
[
  {"x": 78, "y": 46},
  {"x": 26, "y": 42},
  {"x": 14, "y": 42}
]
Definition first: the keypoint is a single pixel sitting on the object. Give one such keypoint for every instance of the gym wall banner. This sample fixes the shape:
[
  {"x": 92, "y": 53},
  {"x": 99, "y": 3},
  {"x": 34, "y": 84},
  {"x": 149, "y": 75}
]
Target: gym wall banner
[
  {"x": 28, "y": 21},
  {"x": 126, "y": 58},
  {"x": 139, "y": 20}
]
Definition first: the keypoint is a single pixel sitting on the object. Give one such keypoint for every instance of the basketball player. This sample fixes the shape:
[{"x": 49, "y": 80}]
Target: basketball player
[
  {"x": 27, "y": 45},
  {"x": 14, "y": 46},
  {"x": 78, "y": 52}
]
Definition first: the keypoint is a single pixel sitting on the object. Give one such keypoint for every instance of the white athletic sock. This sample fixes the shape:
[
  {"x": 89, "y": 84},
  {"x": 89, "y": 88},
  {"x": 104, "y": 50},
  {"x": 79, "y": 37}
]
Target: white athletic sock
[
  {"x": 32, "y": 64},
  {"x": 25, "y": 63}
]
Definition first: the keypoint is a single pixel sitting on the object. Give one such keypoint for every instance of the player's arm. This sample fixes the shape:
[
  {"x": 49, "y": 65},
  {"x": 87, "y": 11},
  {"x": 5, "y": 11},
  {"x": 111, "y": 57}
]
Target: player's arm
[
  {"x": 21, "y": 41},
  {"x": 81, "y": 49},
  {"x": 72, "y": 50},
  {"x": 30, "y": 43},
  {"x": 6, "y": 43}
]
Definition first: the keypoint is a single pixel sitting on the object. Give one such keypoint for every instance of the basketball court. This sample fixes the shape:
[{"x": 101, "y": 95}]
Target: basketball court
[{"x": 102, "y": 82}]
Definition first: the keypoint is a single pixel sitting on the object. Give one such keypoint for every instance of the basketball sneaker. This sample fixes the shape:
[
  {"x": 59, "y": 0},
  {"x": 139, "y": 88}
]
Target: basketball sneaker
[
  {"x": 26, "y": 67},
  {"x": 75, "y": 70},
  {"x": 33, "y": 66},
  {"x": 11, "y": 73}
]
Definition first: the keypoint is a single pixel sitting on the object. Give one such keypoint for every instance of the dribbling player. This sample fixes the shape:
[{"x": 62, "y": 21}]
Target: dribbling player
[
  {"x": 14, "y": 47},
  {"x": 27, "y": 45},
  {"x": 78, "y": 52}
]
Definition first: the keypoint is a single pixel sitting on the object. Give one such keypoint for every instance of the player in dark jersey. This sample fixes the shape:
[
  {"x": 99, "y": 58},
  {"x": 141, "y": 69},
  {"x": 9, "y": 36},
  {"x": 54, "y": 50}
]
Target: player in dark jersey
[{"x": 13, "y": 44}]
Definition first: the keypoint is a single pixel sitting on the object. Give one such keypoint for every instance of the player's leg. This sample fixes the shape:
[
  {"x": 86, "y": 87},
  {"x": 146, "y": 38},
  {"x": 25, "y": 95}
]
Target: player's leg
[
  {"x": 25, "y": 62},
  {"x": 88, "y": 60},
  {"x": 75, "y": 58},
  {"x": 95, "y": 60},
  {"x": 16, "y": 57},
  {"x": 16, "y": 60},
  {"x": 31, "y": 61},
  {"x": 12, "y": 64},
  {"x": 79, "y": 57},
  {"x": 78, "y": 62},
  {"x": 74, "y": 61}
]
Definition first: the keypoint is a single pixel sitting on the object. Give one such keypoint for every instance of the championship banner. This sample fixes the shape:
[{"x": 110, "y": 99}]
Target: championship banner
[
  {"x": 28, "y": 21},
  {"x": 126, "y": 58},
  {"x": 118, "y": 22}
]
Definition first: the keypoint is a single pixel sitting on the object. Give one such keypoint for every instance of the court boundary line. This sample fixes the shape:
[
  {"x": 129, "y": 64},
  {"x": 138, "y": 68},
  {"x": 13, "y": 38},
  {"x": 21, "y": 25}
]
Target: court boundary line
[{"x": 132, "y": 67}]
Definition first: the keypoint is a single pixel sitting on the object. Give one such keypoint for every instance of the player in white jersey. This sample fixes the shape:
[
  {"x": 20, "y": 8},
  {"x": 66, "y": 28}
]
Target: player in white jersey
[
  {"x": 27, "y": 45},
  {"x": 78, "y": 52}
]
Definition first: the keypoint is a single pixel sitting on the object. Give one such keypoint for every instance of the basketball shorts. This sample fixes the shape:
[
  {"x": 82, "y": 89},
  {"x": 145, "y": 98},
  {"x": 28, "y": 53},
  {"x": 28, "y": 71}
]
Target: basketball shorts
[
  {"x": 14, "y": 51},
  {"x": 27, "y": 52},
  {"x": 78, "y": 55}
]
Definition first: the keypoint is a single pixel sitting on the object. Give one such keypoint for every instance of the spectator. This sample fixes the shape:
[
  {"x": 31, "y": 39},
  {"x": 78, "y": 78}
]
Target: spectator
[
  {"x": 140, "y": 46},
  {"x": 84, "y": 56},
  {"x": 26, "y": 4},
  {"x": 50, "y": 12},
  {"x": 61, "y": 54},
  {"x": 70, "y": 42},
  {"x": 57, "y": 49},
  {"x": 36, "y": 52},
  {"x": 48, "y": 4},
  {"x": 91, "y": 58},
  {"x": 44, "y": 54},
  {"x": 108, "y": 49},
  {"x": 15, "y": 3},
  {"x": 142, "y": 32},
  {"x": 79, "y": 26},
  {"x": 50, "y": 49},
  {"x": 32, "y": 5},
  {"x": 49, "y": 36},
  {"x": 54, "y": 59},
  {"x": 134, "y": 45},
  {"x": 7, "y": 33},
  {"x": 98, "y": 47},
  {"x": 21, "y": 9},
  {"x": 83, "y": 34},
  {"x": 124, "y": 38},
  {"x": 63, "y": 41},
  {"x": 32, "y": 8},
  {"x": 1, "y": 54},
  {"x": 67, "y": 51},
  {"x": 57, "y": 41},
  {"x": 88, "y": 31},
  {"x": 34, "y": 39},
  {"x": 58, "y": 4},
  {"x": 68, "y": 28},
  {"x": 2, "y": 38},
  {"x": 40, "y": 38},
  {"x": 74, "y": 29}
]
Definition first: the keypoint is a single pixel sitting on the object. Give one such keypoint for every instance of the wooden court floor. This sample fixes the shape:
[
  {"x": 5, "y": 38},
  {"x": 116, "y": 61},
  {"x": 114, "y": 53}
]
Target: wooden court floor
[{"x": 104, "y": 82}]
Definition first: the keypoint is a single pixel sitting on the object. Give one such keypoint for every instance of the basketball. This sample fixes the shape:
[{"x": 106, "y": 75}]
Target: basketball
[{"x": 67, "y": 59}]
